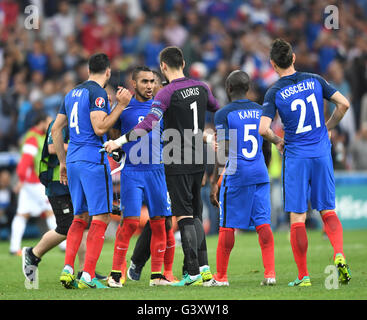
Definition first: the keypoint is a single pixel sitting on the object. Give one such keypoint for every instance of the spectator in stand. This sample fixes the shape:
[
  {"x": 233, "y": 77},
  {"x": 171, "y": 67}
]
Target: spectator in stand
[
  {"x": 358, "y": 149},
  {"x": 153, "y": 48},
  {"x": 37, "y": 59},
  {"x": 338, "y": 81},
  {"x": 8, "y": 203},
  {"x": 92, "y": 34},
  {"x": 7, "y": 114},
  {"x": 174, "y": 33}
]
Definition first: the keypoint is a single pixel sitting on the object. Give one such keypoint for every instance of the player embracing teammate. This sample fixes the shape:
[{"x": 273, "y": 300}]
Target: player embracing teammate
[{"x": 182, "y": 105}]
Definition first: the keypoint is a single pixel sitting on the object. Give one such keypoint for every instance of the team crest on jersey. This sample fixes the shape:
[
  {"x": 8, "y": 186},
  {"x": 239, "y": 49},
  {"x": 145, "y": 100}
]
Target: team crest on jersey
[{"x": 100, "y": 103}]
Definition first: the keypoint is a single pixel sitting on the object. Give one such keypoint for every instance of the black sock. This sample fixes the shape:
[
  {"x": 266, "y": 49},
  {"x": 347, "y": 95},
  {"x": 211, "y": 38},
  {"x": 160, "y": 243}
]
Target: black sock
[
  {"x": 141, "y": 252},
  {"x": 35, "y": 259},
  {"x": 189, "y": 245},
  {"x": 202, "y": 250}
]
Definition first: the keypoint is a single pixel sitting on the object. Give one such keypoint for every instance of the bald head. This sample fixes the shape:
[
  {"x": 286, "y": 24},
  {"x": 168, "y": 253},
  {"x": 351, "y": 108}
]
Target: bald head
[{"x": 237, "y": 85}]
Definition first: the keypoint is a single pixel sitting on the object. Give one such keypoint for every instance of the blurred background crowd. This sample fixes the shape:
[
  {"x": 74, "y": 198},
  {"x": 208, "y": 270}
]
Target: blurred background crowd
[{"x": 39, "y": 66}]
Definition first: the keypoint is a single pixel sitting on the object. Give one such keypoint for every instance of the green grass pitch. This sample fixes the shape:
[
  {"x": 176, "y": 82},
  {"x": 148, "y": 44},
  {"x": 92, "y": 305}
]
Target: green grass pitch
[{"x": 245, "y": 273}]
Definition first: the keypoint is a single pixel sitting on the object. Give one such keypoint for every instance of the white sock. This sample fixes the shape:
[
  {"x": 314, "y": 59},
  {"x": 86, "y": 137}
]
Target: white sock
[
  {"x": 62, "y": 245},
  {"x": 51, "y": 222},
  {"x": 204, "y": 267},
  {"x": 17, "y": 230},
  {"x": 86, "y": 276},
  {"x": 69, "y": 268},
  {"x": 194, "y": 277}
]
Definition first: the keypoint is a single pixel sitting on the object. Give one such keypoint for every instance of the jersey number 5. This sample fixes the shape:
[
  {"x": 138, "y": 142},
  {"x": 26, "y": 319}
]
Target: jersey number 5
[
  {"x": 249, "y": 137},
  {"x": 299, "y": 102},
  {"x": 74, "y": 118}
]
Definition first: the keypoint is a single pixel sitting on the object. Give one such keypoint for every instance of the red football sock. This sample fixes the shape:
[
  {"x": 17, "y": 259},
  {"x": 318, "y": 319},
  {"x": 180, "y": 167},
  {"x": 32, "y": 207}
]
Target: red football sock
[
  {"x": 95, "y": 240},
  {"x": 123, "y": 236},
  {"x": 158, "y": 244},
  {"x": 170, "y": 251},
  {"x": 334, "y": 231},
  {"x": 299, "y": 243},
  {"x": 266, "y": 241},
  {"x": 73, "y": 240},
  {"x": 224, "y": 248}
]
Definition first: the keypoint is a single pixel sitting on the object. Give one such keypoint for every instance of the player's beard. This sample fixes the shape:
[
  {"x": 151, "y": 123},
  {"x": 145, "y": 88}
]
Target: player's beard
[{"x": 142, "y": 96}]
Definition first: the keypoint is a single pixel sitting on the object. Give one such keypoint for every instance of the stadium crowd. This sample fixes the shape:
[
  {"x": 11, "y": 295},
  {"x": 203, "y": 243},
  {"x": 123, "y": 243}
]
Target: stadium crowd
[{"x": 39, "y": 66}]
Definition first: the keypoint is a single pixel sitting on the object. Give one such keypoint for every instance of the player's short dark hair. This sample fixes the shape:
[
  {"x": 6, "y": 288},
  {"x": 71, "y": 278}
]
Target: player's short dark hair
[
  {"x": 281, "y": 53},
  {"x": 159, "y": 76},
  {"x": 172, "y": 56},
  {"x": 137, "y": 70},
  {"x": 237, "y": 83},
  {"x": 98, "y": 63},
  {"x": 38, "y": 117}
]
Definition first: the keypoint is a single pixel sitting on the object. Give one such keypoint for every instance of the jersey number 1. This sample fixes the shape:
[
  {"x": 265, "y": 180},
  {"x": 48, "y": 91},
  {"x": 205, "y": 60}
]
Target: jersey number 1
[
  {"x": 74, "y": 118},
  {"x": 299, "y": 102},
  {"x": 194, "y": 108}
]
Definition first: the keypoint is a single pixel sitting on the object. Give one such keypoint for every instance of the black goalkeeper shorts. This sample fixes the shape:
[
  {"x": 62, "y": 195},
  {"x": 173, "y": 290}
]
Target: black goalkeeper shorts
[{"x": 185, "y": 193}]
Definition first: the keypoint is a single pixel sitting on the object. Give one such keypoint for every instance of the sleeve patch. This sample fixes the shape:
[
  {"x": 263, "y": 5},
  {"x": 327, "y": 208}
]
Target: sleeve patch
[{"x": 100, "y": 102}]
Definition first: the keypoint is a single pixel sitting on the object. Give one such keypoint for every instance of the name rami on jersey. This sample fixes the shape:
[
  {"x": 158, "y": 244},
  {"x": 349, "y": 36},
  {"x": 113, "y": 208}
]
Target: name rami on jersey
[
  {"x": 245, "y": 114},
  {"x": 302, "y": 86},
  {"x": 77, "y": 93},
  {"x": 190, "y": 92}
]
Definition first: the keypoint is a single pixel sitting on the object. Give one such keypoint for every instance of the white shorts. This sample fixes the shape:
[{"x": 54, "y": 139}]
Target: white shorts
[{"x": 33, "y": 200}]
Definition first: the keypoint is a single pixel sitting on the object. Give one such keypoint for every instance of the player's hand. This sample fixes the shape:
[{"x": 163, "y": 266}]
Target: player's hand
[
  {"x": 63, "y": 175},
  {"x": 110, "y": 146},
  {"x": 123, "y": 96},
  {"x": 280, "y": 146},
  {"x": 214, "y": 195},
  {"x": 17, "y": 187}
]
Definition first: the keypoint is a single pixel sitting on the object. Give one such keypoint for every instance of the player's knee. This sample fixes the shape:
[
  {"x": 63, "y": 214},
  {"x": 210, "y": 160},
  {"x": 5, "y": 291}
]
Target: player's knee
[
  {"x": 103, "y": 217},
  {"x": 63, "y": 225},
  {"x": 168, "y": 223}
]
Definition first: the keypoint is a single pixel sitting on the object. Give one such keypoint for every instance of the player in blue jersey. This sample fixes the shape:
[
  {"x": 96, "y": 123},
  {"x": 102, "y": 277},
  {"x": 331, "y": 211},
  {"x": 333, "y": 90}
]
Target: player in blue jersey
[
  {"x": 142, "y": 180},
  {"x": 244, "y": 197},
  {"x": 86, "y": 111},
  {"x": 141, "y": 253},
  {"x": 307, "y": 164}
]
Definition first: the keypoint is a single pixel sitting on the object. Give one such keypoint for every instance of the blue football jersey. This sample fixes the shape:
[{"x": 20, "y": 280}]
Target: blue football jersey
[
  {"x": 246, "y": 164},
  {"x": 299, "y": 101},
  {"x": 146, "y": 152},
  {"x": 84, "y": 144}
]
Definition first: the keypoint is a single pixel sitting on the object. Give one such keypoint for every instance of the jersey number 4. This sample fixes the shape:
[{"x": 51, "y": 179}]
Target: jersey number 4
[
  {"x": 301, "y": 123},
  {"x": 74, "y": 118}
]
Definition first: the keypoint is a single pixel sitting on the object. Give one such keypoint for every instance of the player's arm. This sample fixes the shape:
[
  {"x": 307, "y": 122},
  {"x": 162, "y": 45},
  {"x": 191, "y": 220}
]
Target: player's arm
[
  {"x": 267, "y": 133},
  {"x": 220, "y": 162},
  {"x": 52, "y": 150},
  {"x": 268, "y": 114},
  {"x": 101, "y": 121},
  {"x": 50, "y": 143},
  {"x": 114, "y": 133},
  {"x": 213, "y": 104},
  {"x": 159, "y": 106},
  {"x": 58, "y": 142},
  {"x": 342, "y": 106},
  {"x": 267, "y": 152}
]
